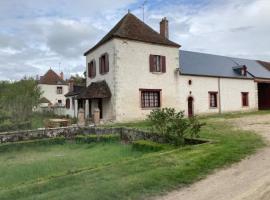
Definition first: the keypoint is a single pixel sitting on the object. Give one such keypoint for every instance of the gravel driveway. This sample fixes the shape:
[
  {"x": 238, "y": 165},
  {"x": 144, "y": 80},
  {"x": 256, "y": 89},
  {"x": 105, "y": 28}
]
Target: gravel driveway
[{"x": 247, "y": 180}]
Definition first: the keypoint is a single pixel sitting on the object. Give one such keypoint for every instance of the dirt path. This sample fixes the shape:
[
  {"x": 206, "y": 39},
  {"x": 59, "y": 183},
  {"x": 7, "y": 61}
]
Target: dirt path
[{"x": 247, "y": 180}]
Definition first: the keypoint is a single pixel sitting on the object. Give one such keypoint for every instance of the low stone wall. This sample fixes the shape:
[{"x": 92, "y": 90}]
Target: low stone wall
[{"x": 126, "y": 134}]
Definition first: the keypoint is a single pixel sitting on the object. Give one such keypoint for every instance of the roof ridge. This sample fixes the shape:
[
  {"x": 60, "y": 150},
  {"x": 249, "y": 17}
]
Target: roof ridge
[{"x": 132, "y": 28}]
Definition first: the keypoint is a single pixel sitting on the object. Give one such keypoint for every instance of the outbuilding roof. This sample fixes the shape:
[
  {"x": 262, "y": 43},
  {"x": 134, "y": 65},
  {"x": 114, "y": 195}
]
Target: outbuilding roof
[
  {"x": 51, "y": 78},
  {"x": 44, "y": 100},
  {"x": 202, "y": 64},
  {"x": 77, "y": 89},
  {"x": 132, "y": 28},
  {"x": 96, "y": 90}
]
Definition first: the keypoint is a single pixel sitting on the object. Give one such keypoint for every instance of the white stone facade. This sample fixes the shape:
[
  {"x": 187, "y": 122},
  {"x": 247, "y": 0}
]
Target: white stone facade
[
  {"x": 50, "y": 93},
  {"x": 228, "y": 92},
  {"x": 129, "y": 72}
]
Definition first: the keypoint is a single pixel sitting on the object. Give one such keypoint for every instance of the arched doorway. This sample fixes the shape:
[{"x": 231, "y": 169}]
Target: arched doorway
[{"x": 190, "y": 107}]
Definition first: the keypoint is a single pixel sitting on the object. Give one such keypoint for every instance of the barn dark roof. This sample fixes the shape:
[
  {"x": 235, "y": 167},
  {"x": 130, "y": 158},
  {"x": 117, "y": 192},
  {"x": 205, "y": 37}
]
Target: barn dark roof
[
  {"x": 96, "y": 90},
  {"x": 132, "y": 28},
  {"x": 51, "y": 78},
  {"x": 202, "y": 64},
  {"x": 77, "y": 89}
]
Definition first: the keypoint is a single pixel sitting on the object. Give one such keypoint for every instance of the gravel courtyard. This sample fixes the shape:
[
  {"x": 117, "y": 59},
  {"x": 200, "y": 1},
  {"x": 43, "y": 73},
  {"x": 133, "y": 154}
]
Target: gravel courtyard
[{"x": 247, "y": 180}]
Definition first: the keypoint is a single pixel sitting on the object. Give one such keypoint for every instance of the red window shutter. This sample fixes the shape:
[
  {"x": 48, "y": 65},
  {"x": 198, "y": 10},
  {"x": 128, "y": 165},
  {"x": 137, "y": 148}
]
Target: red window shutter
[
  {"x": 89, "y": 68},
  {"x": 94, "y": 68},
  {"x": 163, "y": 63},
  {"x": 100, "y": 65},
  {"x": 106, "y": 62},
  {"x": 151, "y": 63}
]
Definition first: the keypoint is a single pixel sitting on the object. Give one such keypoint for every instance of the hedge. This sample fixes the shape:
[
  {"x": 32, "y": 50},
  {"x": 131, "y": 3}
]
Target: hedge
[{"x": 148, "y": 145}]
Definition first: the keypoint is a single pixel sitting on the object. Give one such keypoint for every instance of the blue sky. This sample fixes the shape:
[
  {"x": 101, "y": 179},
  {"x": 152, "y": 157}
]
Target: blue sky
[{"x": 36, "y": 34}]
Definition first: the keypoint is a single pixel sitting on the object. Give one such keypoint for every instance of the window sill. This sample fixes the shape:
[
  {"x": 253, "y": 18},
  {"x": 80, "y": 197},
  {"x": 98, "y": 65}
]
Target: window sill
[
  {"x": 150, "y": 108},
  {"x": 157, "y": 73},
  {"x": 213, "y": 108}
]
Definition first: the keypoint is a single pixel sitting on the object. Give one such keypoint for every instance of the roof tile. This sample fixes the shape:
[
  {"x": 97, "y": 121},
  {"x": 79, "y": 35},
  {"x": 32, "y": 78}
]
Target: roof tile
[{"x": 132, "y": 28}]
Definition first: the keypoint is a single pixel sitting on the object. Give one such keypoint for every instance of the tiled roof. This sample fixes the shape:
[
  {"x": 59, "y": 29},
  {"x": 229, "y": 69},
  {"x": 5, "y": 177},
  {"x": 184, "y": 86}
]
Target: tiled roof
[
  {"x": 132, "y": 28},
  {"x": 202, "y": 64},
  {"x": 51, "y": 78},
  {"x": 76, "y": 90},
  {"x": 96, "y": 90}
]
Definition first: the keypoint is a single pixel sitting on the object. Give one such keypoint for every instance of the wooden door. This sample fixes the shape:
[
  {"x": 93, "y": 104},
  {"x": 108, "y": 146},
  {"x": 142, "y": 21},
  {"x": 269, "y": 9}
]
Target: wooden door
[{"x": 190, "y": 106}]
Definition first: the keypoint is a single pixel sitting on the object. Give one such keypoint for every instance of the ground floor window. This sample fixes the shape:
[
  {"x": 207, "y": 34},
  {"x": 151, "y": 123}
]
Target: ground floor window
[
  {"x": 213, "y": 99},
  {"x": 59, "y": 102},
  {"x": 245, "y": 99},
  {"x": 150, "y": 98}
]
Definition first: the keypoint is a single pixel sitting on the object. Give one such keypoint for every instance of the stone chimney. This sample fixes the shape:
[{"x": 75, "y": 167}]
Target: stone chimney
[
  {"x": 71, "y": 85},
  {"x": 62, "y": 75},
  {"x": 164, "y": 28}
]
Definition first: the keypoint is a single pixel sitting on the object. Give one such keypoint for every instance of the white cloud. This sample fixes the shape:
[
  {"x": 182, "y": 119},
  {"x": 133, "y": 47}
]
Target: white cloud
[
  {"x": 235, "y": 28},
  {"x": 36, "y": 35}
]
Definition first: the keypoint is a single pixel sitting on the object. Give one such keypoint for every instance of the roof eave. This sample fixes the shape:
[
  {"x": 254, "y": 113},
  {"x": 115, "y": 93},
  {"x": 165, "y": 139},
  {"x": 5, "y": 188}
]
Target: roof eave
[
  {"x": 216, "y": 76},
  {"x": 126, "y": 38}
]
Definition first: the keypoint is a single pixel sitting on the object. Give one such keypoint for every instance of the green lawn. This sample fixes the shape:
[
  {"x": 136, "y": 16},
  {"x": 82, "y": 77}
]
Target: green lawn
[{"x": 114, "y": 170}]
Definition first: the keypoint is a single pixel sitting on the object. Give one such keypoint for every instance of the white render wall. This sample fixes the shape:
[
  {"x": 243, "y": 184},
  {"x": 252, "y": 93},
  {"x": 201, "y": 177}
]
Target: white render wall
[
  {"x": 132, "y": 74},
  {"x": 129, "y": 72},
  {"x": 230, "y": 94},
  {"x": 231, "y": 98},
  {"x": 50, "y": 92},
  {"x": 108, "y": 104}
]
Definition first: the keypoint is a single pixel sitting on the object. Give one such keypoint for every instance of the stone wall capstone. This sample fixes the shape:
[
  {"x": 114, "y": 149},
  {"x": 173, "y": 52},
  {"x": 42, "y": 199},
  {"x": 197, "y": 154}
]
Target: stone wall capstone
[{"x": 126, "y": 134}]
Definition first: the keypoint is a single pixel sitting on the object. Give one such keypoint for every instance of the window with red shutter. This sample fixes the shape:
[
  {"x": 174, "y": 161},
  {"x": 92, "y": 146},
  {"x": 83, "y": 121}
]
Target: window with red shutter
[
  {"x": 163, "y": 63},
  {"x": 245, "y": 99},
  {"x": 151, "y": 63},
  {"x": 157, "y": 63},
  {"x": 92, "y": 69},
  {"x": 104, "y": 63}
]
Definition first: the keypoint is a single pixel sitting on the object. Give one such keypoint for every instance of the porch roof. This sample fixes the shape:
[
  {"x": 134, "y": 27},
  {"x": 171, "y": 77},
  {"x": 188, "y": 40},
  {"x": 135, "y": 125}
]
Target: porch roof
[{"x": 96, "y": 90}]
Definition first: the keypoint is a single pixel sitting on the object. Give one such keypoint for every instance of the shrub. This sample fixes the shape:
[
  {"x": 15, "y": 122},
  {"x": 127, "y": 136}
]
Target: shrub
[
  {"x": 147, "y": 145},
  {"x": 173, "y": 126},
  {"x": 97, "y": 138}
]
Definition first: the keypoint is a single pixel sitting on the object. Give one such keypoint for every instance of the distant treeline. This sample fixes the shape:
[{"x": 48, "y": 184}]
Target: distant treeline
[{"x": 17, "y": 100}]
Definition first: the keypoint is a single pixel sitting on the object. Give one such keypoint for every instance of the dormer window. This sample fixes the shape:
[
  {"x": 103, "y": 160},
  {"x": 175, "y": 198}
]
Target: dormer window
[
  {"x": 241, "y": 70},
  {"x": 244, "y": 71},
  {"x": 157, "y": 63}
]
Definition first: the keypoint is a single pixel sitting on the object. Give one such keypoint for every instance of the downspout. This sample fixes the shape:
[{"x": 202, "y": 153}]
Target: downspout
[{"x": 219, "y": 96}]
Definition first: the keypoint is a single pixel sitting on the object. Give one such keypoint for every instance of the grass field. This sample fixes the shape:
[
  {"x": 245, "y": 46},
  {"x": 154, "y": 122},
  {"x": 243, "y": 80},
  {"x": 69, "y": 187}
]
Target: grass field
[{"x": 114, "y": 170}]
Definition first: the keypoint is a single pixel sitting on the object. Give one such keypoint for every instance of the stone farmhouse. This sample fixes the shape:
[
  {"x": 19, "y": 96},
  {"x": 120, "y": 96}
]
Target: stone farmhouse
[
  {"x": 53, "y": 88},
  {"x": 134, "y": 69}
]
